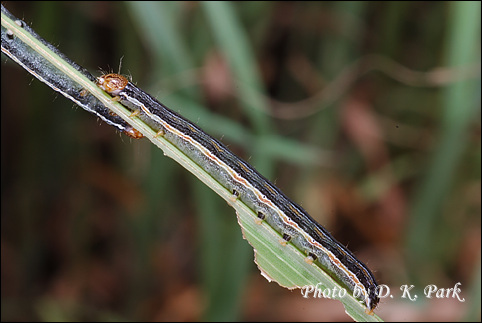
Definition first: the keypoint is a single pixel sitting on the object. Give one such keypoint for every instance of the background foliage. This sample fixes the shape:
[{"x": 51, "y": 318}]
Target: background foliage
[{"x": 365, "y": 113}]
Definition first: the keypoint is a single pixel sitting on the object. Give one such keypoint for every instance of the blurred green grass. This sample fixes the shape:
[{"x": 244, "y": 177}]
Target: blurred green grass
[{"x": 90, "y": 231}]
